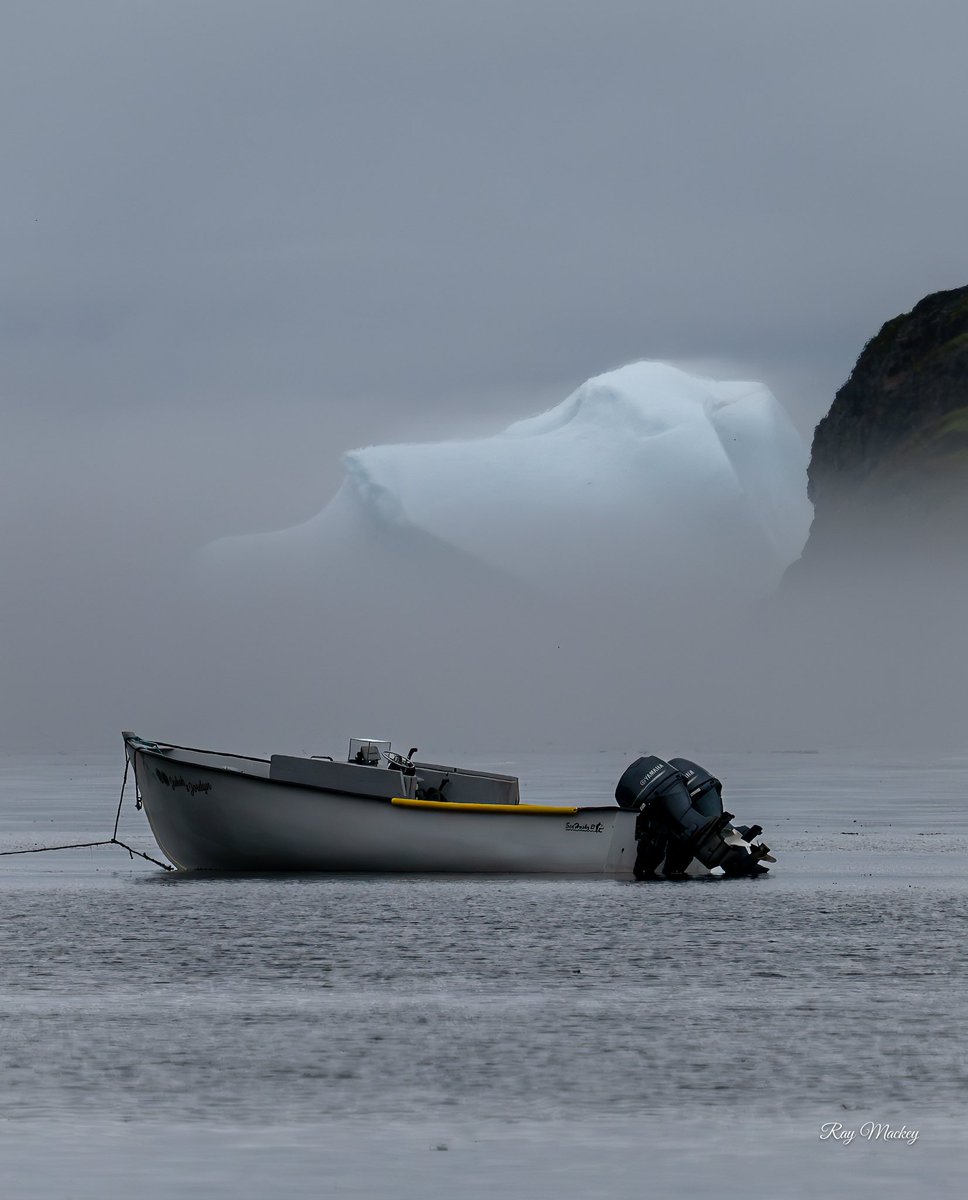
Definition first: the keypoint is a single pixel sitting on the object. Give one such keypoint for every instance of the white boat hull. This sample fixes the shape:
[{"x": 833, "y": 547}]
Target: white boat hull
[{"x": 233, "y": 817}]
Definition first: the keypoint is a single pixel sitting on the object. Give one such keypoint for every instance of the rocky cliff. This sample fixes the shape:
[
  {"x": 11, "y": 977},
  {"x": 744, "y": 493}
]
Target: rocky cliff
[{"x": 888, "y": 473}]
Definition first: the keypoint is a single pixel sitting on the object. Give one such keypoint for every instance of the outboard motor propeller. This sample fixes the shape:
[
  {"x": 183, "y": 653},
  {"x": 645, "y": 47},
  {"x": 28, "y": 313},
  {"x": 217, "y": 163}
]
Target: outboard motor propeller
[{"x": 681, "y": 817}]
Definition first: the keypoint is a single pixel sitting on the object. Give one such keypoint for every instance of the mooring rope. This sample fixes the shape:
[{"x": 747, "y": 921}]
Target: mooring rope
[
  {"x": 124, "y": 784},
  {"x": 113, "y": 840}
]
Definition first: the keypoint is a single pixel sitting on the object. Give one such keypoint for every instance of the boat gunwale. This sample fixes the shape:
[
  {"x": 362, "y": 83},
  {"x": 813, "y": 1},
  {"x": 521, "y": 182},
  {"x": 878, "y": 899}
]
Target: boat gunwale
[{"x": 154, "y": 750}]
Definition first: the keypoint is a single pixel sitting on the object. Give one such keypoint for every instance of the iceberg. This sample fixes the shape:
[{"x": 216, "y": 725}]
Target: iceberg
[{"x": 646, "y": 479}]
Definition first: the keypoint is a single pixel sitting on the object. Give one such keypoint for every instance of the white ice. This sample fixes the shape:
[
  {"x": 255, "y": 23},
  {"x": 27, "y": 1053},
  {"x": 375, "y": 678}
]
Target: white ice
[{"x": 645, "y": 478}]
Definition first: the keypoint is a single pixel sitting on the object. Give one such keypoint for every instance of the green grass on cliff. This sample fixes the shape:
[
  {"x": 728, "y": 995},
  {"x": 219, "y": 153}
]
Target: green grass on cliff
[
  {"x": 955, "y": 423},
  {"x": 881, "y": 342},
  {"x": 955, "y": 344},
  {"x": 937, "y": 452}
]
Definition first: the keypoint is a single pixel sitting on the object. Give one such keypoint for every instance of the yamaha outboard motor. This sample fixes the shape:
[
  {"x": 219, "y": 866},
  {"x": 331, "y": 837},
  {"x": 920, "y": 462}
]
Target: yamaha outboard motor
[
  {"x": 681, "y": 818},
  {"x": 705, "y": 790},
  {"x": 701, "y": 784}
]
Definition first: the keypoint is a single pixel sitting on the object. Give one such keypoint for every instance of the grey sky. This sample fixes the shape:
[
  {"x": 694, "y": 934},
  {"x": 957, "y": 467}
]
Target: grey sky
[{"x": 240, "y": 238}]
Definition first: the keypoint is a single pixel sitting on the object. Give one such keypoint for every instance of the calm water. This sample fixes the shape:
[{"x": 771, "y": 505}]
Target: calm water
[{"x": 559, "y": 1037}]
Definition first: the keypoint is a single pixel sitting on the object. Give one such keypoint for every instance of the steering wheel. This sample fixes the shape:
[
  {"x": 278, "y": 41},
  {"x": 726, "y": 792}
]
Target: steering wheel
[{"x": 397, "y": 761}]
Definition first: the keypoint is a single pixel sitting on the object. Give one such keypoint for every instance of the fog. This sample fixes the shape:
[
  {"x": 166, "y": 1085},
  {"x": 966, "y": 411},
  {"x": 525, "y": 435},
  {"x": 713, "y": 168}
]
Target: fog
[{"x": 239, "y": 242}]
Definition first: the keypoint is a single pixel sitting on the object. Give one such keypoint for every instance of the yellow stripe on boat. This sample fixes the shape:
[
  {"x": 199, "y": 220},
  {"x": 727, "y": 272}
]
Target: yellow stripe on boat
[{"x": 453, "y": 806}]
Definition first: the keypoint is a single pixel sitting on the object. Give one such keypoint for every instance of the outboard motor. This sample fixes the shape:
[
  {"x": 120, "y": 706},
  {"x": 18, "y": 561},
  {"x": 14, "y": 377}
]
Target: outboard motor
[
  {"x": 681, "y": 817},
  {"x": 705, "y": 789},
  {"x": 701, "y": 784}
]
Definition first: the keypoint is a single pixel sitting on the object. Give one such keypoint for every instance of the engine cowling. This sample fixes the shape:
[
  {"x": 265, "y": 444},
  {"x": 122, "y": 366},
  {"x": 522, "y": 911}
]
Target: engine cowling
[{"x": 681, "y": 818}]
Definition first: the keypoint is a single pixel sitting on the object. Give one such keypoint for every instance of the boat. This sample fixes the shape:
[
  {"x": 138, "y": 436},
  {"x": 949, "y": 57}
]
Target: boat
[{"x": 382, "y": 811}]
